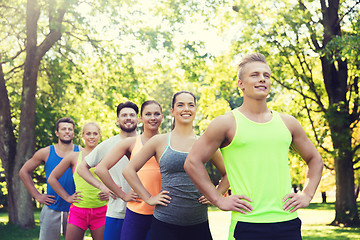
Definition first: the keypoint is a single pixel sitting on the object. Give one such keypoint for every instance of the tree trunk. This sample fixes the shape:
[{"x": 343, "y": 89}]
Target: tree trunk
[
  {"x": 335, "y": 74},
  {"x": 21, "y": 211},
  {"x": 7, "y": 141},
  {"x": 20, "y": 207},
  {"x": 345, "y": 206}
]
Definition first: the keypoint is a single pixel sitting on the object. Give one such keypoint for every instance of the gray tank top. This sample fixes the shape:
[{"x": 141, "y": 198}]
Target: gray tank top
[{"x": 184, "y": 208}]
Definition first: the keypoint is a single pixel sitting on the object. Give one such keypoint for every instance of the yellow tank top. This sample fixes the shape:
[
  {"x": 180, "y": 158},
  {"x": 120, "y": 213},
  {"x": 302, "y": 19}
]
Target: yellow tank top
[
  {"x": 150, "y": 177},
  {"x": 90, "y": 194},
  {"x": 256, "y": 162}
]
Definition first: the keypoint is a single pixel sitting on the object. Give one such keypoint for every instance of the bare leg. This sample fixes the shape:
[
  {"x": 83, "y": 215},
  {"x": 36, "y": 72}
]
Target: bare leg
[
  {"x": 74, "y": 232},
  {"x": 98, "y": 234}
]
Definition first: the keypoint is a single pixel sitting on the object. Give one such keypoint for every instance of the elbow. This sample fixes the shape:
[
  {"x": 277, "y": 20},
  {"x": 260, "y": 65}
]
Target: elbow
[
  {"x": 79, "y": 171},
  {"x": 51, "y": 180},
  {"x": 22, "y": 174},
  {"x": 320, "y": 163},
  {"x": 125, "y": 173},
  {"x": 188, "y": 165},
  {"x": 97, "y": 171}
]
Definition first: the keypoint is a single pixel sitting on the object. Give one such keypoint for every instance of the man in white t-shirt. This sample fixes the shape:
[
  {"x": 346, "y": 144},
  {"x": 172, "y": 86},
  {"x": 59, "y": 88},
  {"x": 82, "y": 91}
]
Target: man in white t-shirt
[{"x": 127, "y": 120}]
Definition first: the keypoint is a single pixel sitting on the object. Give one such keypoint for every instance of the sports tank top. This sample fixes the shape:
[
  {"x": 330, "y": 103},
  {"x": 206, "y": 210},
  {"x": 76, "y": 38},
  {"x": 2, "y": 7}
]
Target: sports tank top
[
  {"x": 66, "y": 180},
  {"x": 150, "y": 177},
  {"x": 256, "y": 163},
  {"x": 90, "y": 194},
  {"x": 184, "y": 208}
]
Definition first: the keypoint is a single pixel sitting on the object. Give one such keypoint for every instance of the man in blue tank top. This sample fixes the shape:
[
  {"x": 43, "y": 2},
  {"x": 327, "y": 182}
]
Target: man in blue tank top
[
  {"x": 254, "y": 141},
  {"x": 55, "y": 210}
]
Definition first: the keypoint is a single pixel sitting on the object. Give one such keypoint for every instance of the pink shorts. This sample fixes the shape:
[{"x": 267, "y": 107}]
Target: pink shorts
[{"x": 85, "y": 218}]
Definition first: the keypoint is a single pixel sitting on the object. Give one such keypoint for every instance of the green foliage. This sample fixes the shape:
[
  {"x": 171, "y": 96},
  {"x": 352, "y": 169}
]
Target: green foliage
[{"x": 113, "y": 51}]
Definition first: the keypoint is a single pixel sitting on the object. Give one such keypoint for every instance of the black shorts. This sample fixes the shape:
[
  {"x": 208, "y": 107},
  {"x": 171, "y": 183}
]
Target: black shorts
[
  {"x": 288, "y": 230},
  {"x": 165, "y": 231}
]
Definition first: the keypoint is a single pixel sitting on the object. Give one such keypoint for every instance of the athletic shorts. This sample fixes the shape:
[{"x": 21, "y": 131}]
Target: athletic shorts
[
  {"x": 84, "y": 218},
  {"x": 164, "y": 231},
  {"x": 269, "y": 231},
  {"x": 52, "y": 223}
]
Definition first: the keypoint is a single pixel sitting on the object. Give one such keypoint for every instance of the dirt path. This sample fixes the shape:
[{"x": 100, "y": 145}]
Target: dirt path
[{"x": 219, "y": 224}]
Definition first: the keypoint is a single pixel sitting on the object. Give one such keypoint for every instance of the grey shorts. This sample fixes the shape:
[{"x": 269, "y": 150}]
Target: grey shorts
[{"x": 50, "y": 224}]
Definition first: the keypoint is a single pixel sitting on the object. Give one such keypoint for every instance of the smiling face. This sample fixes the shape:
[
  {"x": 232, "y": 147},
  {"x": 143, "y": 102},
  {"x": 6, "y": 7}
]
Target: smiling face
[
  {"x": 255, "y": 80},
  {"x": 91, "y": 135},
  {"x": 65, "y": 132},
  {"x": 151, "y": 117},
  {"x": 184, "y": 109},
  {"x": 127, "y": 120}
]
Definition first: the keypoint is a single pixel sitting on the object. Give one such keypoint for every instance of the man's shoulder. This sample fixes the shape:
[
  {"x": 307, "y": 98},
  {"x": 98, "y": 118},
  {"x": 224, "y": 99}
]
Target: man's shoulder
[
  {"x": 290, "y": 122},
  {"x": 42, "y": 154},
  {"x": 287, "y": 118},
  {"x": 110, "y": 141},
  {"x": 224, "y": 120},
  {"x": 45, "y": 150},
  {"x": 99, "y": 152}
]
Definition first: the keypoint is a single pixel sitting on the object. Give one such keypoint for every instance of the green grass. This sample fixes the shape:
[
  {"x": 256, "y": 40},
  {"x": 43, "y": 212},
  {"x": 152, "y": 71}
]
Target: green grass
[
  {"x": 12, "y": 232},
  {"x": 315, "y": 226},
  {"x": 316, "y": 219}
]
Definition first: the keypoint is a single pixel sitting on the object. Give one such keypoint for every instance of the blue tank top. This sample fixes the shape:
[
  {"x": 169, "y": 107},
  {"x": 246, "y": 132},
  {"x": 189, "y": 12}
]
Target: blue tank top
[
  {"x": 66, "y": 180},
  {"x": 184, "y": 208}
]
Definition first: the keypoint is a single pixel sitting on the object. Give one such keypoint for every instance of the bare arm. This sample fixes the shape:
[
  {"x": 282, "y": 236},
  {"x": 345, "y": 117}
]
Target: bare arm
[
  {"x": 68, "y": 161},
  {"x": 84, "y": 171},
  {"x": 302, "y": 144},
  {"x": 25, "y": 175},
  {"x": 218, "y": 162},
  {"x": 102, "y": 169},
  {"x": 130, "y": 173},
  {"x": 224, "y": 185},
  {"x": 201, "y": 152}
]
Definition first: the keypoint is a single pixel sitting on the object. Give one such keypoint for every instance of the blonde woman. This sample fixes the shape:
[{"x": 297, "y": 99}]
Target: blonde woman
[{"x": 88, "y": 204}]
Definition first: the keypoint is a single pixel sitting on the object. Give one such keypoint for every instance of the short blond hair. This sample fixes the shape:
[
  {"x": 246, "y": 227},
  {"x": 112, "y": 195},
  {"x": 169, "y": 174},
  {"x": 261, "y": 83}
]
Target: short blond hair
[
  {"x": 91, "y": 123},
  {"x": 253, "y": 57}
]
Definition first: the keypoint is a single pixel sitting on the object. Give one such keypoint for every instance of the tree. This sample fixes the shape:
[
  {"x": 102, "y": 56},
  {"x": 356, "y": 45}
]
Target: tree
[
  {"x": 30, "y": 30},
  {"x": 16, "y": 150},
  {"x": 309, "y": 52}
]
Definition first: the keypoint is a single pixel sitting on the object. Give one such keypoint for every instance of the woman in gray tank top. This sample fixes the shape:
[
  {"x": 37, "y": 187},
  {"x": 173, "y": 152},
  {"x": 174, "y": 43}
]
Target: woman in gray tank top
[{"x": 180, "y": 212}]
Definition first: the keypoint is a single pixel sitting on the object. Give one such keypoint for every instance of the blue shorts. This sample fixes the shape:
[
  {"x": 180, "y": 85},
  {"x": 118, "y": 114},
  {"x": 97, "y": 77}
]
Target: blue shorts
[
  {"x": 269, "y": 231},
  {"x": 136, "y": 226},
  {"x": 113, "y": 228}
]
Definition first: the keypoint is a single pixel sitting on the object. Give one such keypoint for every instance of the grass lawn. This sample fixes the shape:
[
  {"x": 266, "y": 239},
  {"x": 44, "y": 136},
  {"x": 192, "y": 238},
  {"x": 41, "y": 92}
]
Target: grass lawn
[
  {"x": 315, "y": 221},
  {"x": 315, "y": 226},
  {"x": 11, "y": 232}
]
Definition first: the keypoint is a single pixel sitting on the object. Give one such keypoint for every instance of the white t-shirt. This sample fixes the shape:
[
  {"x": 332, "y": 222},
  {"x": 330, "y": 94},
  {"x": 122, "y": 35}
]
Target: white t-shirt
[{"x": 116, "y": 208}]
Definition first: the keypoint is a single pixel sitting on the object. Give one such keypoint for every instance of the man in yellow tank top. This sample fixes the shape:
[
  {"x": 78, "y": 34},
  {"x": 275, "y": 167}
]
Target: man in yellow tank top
[{"x": 255, "y": 141}]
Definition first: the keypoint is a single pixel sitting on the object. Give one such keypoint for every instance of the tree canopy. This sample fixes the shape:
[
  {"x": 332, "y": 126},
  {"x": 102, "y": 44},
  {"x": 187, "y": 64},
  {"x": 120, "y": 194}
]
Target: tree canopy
[{"x": 81, "y": 58}]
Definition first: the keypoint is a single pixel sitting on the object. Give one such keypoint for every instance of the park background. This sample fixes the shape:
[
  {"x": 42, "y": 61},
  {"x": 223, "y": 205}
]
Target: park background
[{"x": 80, "y": 58}]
